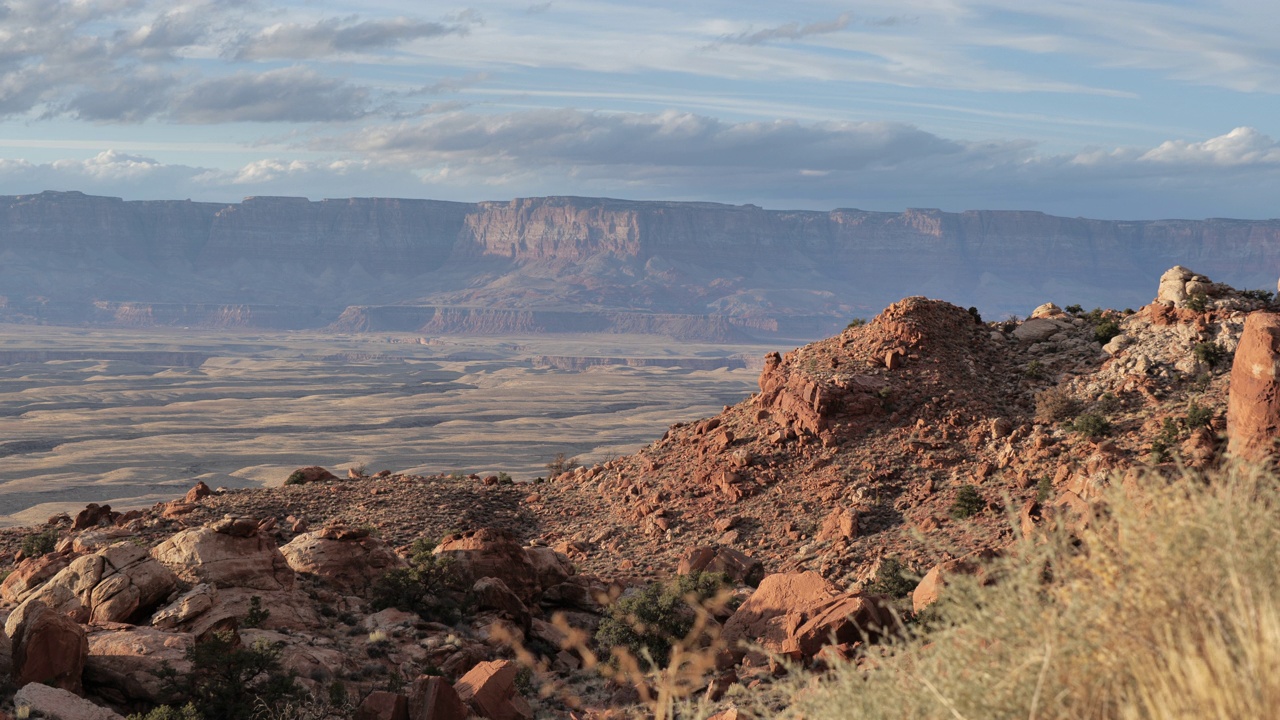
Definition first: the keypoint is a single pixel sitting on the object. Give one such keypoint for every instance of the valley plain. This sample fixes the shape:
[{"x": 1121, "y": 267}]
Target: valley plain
[{"x": 132, "y": 417}]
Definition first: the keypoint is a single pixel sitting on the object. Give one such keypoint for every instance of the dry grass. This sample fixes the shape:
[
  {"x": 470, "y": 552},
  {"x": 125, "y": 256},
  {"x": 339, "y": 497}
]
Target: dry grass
[{"x": 1169, "y": 607}]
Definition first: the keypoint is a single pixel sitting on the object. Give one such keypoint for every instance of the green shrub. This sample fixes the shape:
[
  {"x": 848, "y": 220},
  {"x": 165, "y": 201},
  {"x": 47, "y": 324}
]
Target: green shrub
[
  {"x": 1197, "y": 301},
  {"x": 977, "y": 317},
  {"x": 1044, "y": 489},
  {"x": 505, "y": 479},
  {"x": 230, "y": 681},
  {"x": 1209, "y": 353},
  {"x": 40, "y": 543},
  {"x": 297, "y": 477},
  {"x": 430, "y": 586},
  {"x": 1091, "y": 425},
  {"x": 1075, "y": 309},
  {"x": 893, "y": 578},
  {"x": 1198, "y": 416},
  {"x": 1265, "y": 296},
  {"x": 1034, "y": 370},
  {"x": 648, "y": 623},
  {"x": 968, "y": 503},
  {"x": 856, "y": 322},
  {"x": 256, "y": 615},
  {"x": 1105, "y": 329}
]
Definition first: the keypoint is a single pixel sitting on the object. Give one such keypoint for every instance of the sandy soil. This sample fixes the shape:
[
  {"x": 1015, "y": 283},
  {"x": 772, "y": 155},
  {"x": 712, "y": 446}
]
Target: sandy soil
[{"x": 115, "y": 421}]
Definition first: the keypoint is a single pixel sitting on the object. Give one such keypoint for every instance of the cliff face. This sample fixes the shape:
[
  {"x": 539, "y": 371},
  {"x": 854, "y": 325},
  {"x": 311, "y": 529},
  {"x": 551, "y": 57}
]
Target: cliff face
[{"x": 562, "y": 264}]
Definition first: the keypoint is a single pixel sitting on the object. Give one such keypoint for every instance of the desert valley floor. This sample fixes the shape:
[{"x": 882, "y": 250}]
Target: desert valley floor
[{"x": 132, "y": 417}]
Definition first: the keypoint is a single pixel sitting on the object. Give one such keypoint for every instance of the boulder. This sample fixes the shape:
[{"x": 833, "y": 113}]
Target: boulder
[
  {"x": 197, "y": 493},
  {"x": 94, "y": 515},
  {"x": 1253, "y": 410},
  {"x": 315, "y": 473},
  {"x": 846, "y": 619},
  {"x": 57, "y": 704},
  {"x": 190, "y": 605},
  {"x": 493, "y": 594},
  {"x": 224, "y": 560},
  {"x": 349, "y": 562},
  {"x": 383, "y": 705},
  {"x": 841, "y": 523},
  {"x": 30, "y": 575},
  {"x": 48, "y": 647},
  {"x": 551, "y": 566},
  {"x": 490, "y": 689},
  {"x": 1040, "y": 329},
  {"x": 125, "y": 664},
  {"x": 777, "y": 608},
  {"x": 491, "y": 553},
  {"x": 433, "y": 698},
  {"x": 1047, "y": 310},
  {"x": 737, "y": 566},
  {"x": 1173, "y": 286},
  {"x": 113, "y": 585}
]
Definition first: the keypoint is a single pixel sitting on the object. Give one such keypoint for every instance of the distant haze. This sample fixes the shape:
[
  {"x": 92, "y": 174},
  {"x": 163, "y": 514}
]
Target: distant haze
[{"x": 692, "y": 271}]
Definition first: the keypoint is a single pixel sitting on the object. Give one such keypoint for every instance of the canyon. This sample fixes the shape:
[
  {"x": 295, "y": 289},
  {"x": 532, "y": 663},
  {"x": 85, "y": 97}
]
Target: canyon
[{"x": 687, "y": 270}]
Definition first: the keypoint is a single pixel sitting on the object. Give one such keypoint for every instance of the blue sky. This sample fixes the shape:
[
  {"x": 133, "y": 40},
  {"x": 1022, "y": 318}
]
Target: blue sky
[{"x": 1099, "y": 108}]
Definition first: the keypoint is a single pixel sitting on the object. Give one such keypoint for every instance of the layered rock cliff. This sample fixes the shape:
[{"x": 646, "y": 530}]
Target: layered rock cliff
[{"x": 561, "y": 264}]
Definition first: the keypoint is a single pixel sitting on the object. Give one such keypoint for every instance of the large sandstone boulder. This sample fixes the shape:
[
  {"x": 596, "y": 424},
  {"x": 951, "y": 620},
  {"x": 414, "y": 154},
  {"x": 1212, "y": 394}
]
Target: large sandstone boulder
[
  {"x": 433, "y": 698},
  {"x": 30, "y": 575},
  {"x": 1253, "y": 411},
  {"x": 57, "y": 704},
  {"x": 491, "y": 553},
  {"x": 226, "y": 559},
  {"x": 126, "y": 664},
  {"x": 736, "y": 565},
  {"x": 48, "y": 647},
  {"x": 551, "y": 566},
  {"x": 1039, "y": 329},
  {"x": 114, "y": 585},
  {"x": 383, "y": 705},
  {"x": 490, "y": 689},
  {"x": 350, "y": 559},
  {"x": 778, "y": 607}
]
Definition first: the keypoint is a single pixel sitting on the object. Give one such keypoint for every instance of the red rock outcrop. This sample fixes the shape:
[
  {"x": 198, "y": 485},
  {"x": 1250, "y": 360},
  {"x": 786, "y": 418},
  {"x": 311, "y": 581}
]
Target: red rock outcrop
[{"x": 1253, "y": 411}]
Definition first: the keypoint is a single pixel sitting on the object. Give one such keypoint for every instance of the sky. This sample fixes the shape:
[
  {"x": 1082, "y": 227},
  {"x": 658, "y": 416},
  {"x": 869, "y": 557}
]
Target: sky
[{"x": 1119, "y": 109}]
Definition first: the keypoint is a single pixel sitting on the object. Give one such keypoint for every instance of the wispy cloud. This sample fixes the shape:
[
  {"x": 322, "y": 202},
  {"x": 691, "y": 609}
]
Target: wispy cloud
[
  {"x": 791, "y": 31},
  {"x": 336, "y": 36}
]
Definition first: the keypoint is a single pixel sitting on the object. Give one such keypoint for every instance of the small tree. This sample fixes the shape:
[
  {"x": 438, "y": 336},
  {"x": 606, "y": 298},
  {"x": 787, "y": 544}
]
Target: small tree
[
  {"x": 429, "y": 586},
  {"x": 648, "y": 623},
  {"x": 229, "y": 681},
  {"x": 560, "y": 465},
  {"x": 968, "y": 503}
]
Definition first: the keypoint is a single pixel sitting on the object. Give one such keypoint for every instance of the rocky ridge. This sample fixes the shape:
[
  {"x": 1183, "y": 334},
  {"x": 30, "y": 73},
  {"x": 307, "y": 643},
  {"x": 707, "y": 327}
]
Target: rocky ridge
[{"x": 908, "y": 440}]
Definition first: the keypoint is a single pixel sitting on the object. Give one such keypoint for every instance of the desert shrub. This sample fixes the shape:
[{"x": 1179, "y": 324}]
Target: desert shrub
[
  {"x": 560, "y": 465},
  {"x": 40, "y": 543},
  {"x": 505, "y": 479},
  {"x": 230, "y": 681},
  {"x": 1044, "y": 489},
  {"x": 1209, "y": 353},
  {"x": 1265, "y": 296},
  {"x": 973, "y": 313},
  {"x": 1105, "y": 329},
  {"x": 166, "y": 712},
  {"x": 1197, "y": 301},
  {"x": 1075, "y": 309},
  {"x": 1110, "y": 632},
  {"x": 429, "y": 586},
  {"x": 893, "y": 578},
  {"x": 1198, "y": 416},
  {"x": 1055, "y": 404},
  {"x": 968, "y": 502},
  {"x": 648, "y": 623},
  {"x": 856, "y": 322},
  {"x": 1091, "y": 425},
  {"x": 297, "y": 477},
  {"x": 256, "y": 615},
  {"x": 1034, "y": 370}
]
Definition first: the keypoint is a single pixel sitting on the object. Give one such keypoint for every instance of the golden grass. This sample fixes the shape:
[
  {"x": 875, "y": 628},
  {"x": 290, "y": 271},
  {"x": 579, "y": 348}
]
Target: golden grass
[{"x": 1167, "y": 607}]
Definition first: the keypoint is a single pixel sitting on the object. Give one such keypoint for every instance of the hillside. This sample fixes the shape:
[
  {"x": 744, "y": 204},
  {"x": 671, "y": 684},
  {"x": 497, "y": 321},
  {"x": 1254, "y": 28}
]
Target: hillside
[
  {"x": 558, "y": 264},
  {"x": 900, "y": 448}
]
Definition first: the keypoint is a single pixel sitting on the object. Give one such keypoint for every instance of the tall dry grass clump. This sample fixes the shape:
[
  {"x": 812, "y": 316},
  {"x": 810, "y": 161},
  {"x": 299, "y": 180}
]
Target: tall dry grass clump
[{"x": 1167, "y": 606}]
